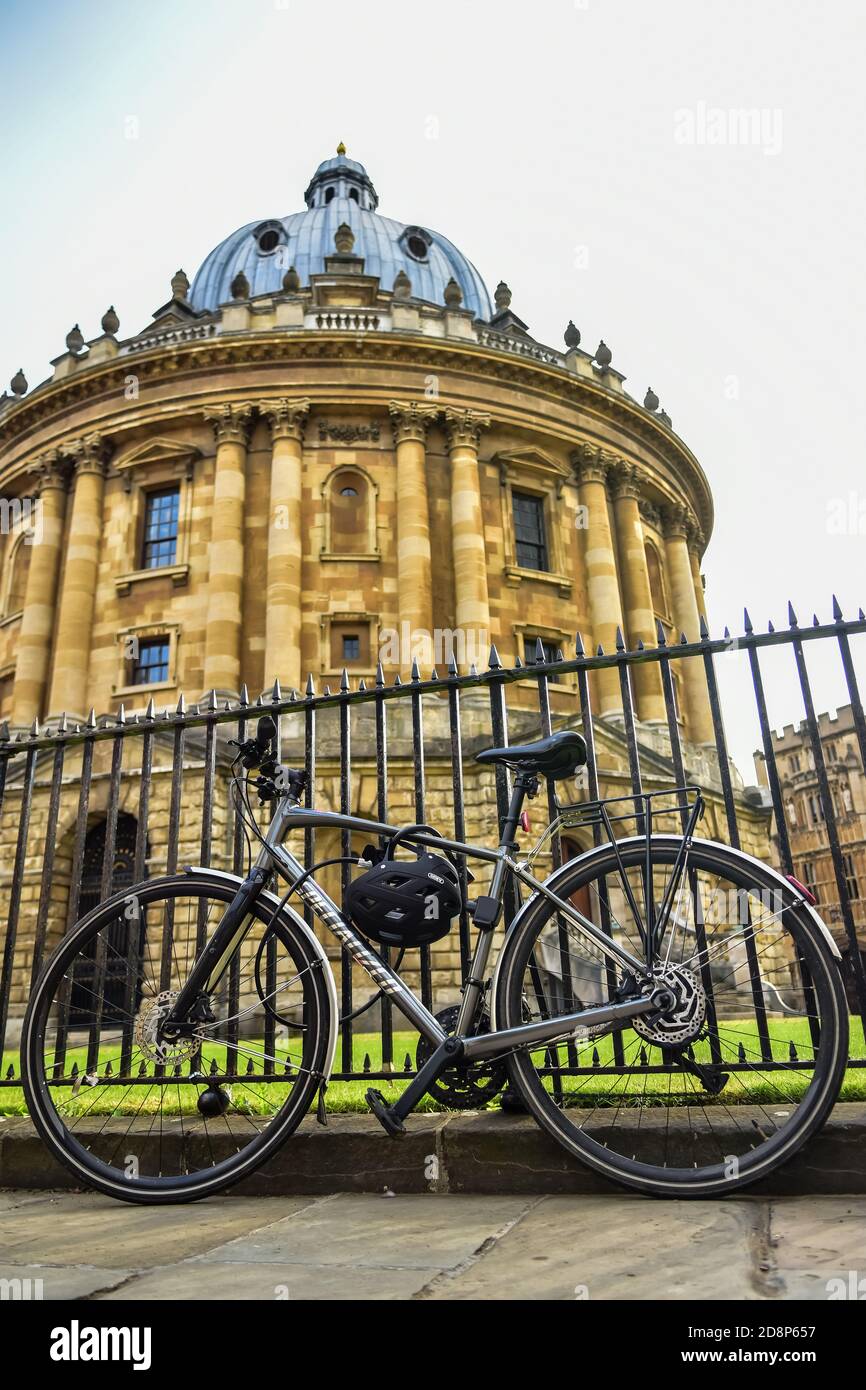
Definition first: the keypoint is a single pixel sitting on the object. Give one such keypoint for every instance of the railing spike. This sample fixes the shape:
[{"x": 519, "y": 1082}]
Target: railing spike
[
  {"x": 34, "y": 729},
  {"x": 639, "y": 645},
  {"x": 245, "y": 695},
  {"x": 63, "y": 724},
  {"x": 362, "y": 684},
  {"x": 4, "y": 731},
  {"x": 121, "y": 714},
  {"x": 704, "y": 630},
  {"x": 434, "y": 674},
  {"x": 518, "y": 664},
  {"x": 380, "y": 675},
  {"x": 212, "y": 702},
  {"x": 792, "y": 616},
  {"x": 837, "y": 611},
  {"x": 416, "y": 672},
  {"x": 473, "y": 669},
  {"x": 91, "y": 719},
  {"x": 579, "y": 648},
  {"x": 747, "y": 622},
  {"x": 661, "y": 640},
  {"x": 727, "y": 633},
  {"x": 150, "y": 712},
  {"x": 181, "y": 704},
  {"x": 620, "y": 640},
  {"x": 539, "y": 652},
  {"x": 559, "y": 656},
  {"x": 861, "y": 617},
  {"x": 770, "y": 626},
  {"x": 310, "y": 686},
  {"x": 600, "y": 651},
  {"x": 293, "y": 696},
  {"x": 327, "y": 690},
  {"x": 397, "y": 680},
  {"x": 684, "y": 641},
  {"x": 276, "y": 692},
  {"x": 815, "y": 622},
  {"x": 453, "y": 669},
  {"x": 493, "y": 662}
]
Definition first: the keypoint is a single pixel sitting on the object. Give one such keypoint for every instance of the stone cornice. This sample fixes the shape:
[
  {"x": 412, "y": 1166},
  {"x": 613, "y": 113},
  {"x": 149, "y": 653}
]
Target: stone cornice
[
  {"x": 198, "y": 359},
  {"x": 287, "y": 418},
  {"x": 411, "y": 419}
]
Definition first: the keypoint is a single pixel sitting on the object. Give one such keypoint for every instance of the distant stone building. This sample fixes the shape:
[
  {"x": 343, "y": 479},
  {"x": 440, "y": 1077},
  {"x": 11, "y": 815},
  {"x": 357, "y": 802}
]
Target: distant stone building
[
  {"x": 804, "y": 815},
  {"x": 335, "y": 446}
]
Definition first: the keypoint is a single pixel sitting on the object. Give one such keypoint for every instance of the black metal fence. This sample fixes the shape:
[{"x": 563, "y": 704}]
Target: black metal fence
[{"x": 51, "y": 777}]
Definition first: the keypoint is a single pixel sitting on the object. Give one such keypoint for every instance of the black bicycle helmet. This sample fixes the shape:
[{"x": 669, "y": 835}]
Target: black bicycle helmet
[{"x": 405, "y": 903}]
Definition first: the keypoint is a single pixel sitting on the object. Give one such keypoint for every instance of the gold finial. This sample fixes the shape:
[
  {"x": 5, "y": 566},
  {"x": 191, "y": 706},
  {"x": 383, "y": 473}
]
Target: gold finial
[{"x": 341, "y": 148}]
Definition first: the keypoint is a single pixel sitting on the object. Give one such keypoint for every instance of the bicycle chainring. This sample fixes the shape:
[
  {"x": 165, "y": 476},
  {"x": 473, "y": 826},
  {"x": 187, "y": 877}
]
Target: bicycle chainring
[{"x": 463, "y": 1086}]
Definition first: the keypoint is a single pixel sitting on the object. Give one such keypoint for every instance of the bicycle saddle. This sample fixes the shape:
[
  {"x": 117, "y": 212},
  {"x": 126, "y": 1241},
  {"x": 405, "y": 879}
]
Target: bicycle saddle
[{"x": 558, "y": 755}]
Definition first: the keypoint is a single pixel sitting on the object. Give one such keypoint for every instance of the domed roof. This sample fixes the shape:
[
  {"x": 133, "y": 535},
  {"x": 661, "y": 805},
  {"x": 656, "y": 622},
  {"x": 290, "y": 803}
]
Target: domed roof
[{"x": 340, "y": 191}]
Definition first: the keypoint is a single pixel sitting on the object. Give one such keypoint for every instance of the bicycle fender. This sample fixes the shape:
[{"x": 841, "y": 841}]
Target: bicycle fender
[
  {"x": 776, "y": 878},
  {"x": 272, "y": 901}
]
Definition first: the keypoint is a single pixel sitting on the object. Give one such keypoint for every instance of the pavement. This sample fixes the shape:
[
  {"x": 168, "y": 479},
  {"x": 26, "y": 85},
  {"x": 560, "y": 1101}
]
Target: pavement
[{"x": 368, "y": 1246}]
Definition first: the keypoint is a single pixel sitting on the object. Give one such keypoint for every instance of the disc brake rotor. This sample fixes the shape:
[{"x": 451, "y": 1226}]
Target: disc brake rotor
[
  {"x": 683, "y": 1021},
  {"x": 163, "y": 1051}
]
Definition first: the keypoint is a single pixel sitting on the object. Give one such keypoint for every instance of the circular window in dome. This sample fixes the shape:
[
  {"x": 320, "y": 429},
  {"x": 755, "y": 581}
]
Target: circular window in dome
[
  {"x": 416, "y": 243},
  {"x": 268, "y": 236}
]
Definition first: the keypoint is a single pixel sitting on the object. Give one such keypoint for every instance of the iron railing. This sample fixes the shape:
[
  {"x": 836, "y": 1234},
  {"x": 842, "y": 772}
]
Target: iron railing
[{"x": 41, "y": 769}]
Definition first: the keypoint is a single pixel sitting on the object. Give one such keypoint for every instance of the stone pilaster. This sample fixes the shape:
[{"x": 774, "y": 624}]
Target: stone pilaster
[
  {"x": 677, "y": 524},
  {"x": 697, "y": 545},
  {"x": 287, "y": 420},
  {"x": 222, "y": 665},
  {"x": 410, "y": 421},
  {"x": 592, "y": 466},
  {"x": 472, "y": 605},
  {"x": 636, "y": 591},
  {"x": 74, "y": 633},
  {"x": 37, "y": 621}
]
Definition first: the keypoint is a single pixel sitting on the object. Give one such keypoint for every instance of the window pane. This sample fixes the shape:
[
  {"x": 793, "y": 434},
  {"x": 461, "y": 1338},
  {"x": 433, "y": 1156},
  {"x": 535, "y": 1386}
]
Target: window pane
[
  {"x": 160, "y": 528},
  {"x": 530, "y": 645},
  {"x": 151, "y": 664},
  {"x": 351, "y": 648},
  {"x": 529, "y": 532}
]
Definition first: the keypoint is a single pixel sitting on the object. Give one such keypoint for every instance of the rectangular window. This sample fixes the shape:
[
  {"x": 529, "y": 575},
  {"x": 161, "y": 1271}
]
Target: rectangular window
[
  {"x": 160, "y": 528},
  {"x": 530, "y": 647},
  {"x": 851, "y": 884},
  {"x": 150, "y": 667},
  {"x": 816, "y": 810},
  {"x": 351, "y": 647},
  {"x": 809, "y": 878},
  {"x": 529, "y": 532}
]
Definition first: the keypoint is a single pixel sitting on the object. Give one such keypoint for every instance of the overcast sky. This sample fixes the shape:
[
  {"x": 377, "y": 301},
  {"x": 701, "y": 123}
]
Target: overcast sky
[{"x": 582, "y": 150}]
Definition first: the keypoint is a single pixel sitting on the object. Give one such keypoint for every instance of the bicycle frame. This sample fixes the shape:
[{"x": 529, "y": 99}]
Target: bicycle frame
[{"x": 273, "y": 856}]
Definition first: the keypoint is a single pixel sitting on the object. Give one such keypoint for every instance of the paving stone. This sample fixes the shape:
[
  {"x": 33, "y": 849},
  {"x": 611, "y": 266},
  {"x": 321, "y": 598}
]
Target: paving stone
[
  {"x": 90, "y": 1229},
  {"x": 273, "y": 1282},
  {"x": 376, "y": 1232},
  {"x": 580, "y": 1248},
  {"x": 819, "y": 1247},
  {"x": 49, "y": 1282}
]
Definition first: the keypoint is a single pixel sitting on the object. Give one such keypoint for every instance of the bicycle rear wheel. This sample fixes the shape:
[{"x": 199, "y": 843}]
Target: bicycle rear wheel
[
  {"x": 150, "y": 1121},
  {"x": 741, "y": 1071}
]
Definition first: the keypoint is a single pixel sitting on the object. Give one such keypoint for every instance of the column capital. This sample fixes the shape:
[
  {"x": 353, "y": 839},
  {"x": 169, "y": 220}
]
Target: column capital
[
  {"x": 463, "y": 427},
  {"x": 287, "y": 418},
  {"x": 696, "y": 538},
  {"x": 677, "y": 520},
  {"x": 591, "y": 463},
  {"x": 650, "y": 513},
  {"x": 89, "y": 454},
  {"x": 627, "y": 480},
  {"x": 231, "y": 421},
  {"x": 51, "y": 471},
  {"x": 411, "y": 419}
]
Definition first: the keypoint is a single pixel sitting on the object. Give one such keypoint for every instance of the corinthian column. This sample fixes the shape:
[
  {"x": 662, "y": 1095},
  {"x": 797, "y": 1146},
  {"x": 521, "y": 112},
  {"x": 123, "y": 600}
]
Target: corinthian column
[
  {"x": 287, "y": 420},
  {"x": 222, "y": 662},
  {"x": 73, "y": 641},
  {"x": 677, "y": 523},
  {"x": 411, "y": 421},
  {"x": 592, "y": 466},
  {"x": 636, "y": 591},
  {"x": 472, "y": 605},
  {"x": 37, "y": 621}
]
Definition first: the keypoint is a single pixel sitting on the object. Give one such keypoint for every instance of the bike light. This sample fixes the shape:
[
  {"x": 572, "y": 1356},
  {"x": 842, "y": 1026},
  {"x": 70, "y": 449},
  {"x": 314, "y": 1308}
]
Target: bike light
[
  {"x": 524, "y": 821},
  {"x": 801, "y": 888}
]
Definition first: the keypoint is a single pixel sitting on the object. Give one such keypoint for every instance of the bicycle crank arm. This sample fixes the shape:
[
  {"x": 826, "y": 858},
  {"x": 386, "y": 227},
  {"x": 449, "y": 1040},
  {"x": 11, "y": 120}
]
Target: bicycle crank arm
[{"x": 391, "y": 1117}]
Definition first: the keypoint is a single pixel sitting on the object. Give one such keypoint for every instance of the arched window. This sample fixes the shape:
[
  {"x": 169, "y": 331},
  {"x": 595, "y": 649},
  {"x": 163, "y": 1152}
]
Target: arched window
[
  {"x": 17, "y": 582},
  {"x": 657, "y": 588},
  {"x": 349, "y": 501},
  {"x": 111, "y": 986}
]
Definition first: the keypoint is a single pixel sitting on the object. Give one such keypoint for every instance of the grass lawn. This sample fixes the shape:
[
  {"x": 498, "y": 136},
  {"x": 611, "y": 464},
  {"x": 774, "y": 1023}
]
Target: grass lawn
[{"x": 644, "y": 1087}]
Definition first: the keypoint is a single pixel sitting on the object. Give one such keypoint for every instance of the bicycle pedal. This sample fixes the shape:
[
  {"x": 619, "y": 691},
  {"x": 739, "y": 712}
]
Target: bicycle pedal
[{"x": 382, "y": 1110}]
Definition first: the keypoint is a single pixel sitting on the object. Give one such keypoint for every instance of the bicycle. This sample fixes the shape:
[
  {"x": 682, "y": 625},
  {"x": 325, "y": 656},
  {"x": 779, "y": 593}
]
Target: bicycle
[{"x": 615, "y": 1010}]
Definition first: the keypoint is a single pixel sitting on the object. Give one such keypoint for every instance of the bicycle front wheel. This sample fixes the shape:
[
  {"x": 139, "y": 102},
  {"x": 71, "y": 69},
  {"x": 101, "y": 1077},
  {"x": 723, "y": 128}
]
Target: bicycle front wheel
[
  {"x": 747, "y": 1062},
  {"x": 148, "y": 1120}
]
